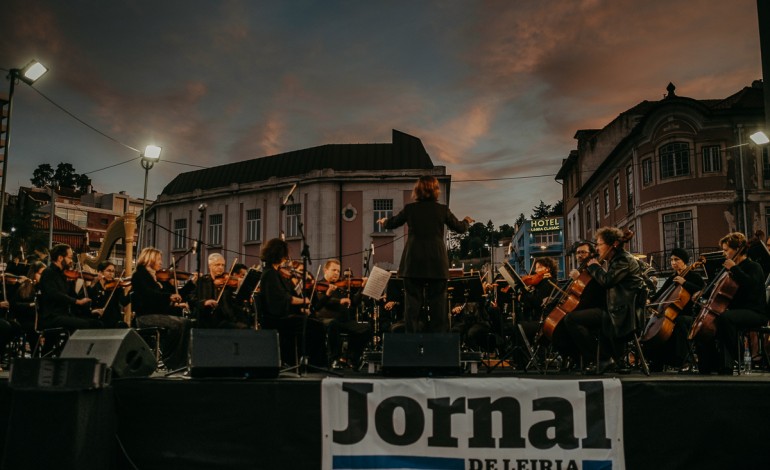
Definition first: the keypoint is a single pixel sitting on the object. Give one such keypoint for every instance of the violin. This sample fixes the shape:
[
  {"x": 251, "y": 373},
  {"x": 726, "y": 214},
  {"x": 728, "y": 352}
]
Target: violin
[
  {"x": 72, "y": 275},
  {"x": 164, "y": 275},
  {"x": 534, "y": 279},
  {"x": 115, "y": 283},
  {"x": 227, "y": 281},
  {"x": 323, "y": 286},
  {"x": 12, "y": 279}
]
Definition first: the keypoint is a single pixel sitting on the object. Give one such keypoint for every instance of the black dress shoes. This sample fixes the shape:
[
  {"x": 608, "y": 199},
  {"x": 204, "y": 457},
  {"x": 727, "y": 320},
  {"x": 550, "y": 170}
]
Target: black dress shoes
[{"x": 605, "y": 365}]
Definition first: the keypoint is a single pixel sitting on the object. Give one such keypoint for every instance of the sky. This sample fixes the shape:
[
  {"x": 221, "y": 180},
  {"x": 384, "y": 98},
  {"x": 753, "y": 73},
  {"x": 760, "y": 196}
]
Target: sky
[{"x": 496, "y": 90}]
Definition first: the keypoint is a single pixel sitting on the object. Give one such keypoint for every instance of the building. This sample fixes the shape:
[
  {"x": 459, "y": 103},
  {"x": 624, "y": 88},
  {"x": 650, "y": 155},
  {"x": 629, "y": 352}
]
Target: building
[
  {"x": 538, "y": 238},
  {"x": 678, "y": 172},
  {"x": 332, "y": 193}
]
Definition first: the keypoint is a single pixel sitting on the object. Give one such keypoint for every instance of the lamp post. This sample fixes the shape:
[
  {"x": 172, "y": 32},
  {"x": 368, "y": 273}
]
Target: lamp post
[
  {"x": 150, "y": 155},
  {"x": 29, "y": 74}
]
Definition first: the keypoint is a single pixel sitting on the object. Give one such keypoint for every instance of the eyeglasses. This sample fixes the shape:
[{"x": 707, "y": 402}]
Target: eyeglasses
[{"x": 582, "y": 252}]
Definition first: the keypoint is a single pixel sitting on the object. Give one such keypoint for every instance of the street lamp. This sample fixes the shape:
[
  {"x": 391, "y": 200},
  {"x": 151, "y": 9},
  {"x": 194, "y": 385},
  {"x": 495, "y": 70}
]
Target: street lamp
[
  {"x": 29, "y": 74},
  {"x": 150, "y": 155}
]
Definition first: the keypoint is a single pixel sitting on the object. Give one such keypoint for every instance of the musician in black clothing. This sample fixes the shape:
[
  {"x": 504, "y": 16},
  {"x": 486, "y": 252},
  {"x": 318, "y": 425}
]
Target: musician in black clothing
[
  {"x": 282, "y": 309},
  {"x": 424, "y": 261},
  {"x": 217, "y": 308},
  {"x": 675, "y": 351},
  {"x": 152, "y": 305},
  {"x": 747, "y": 309},
  {"x": 23, "y": 300},
  {"x": 57, "y": 298},
  {"x": 107, "y": 296},
  {"x": 336, "y": 308}
]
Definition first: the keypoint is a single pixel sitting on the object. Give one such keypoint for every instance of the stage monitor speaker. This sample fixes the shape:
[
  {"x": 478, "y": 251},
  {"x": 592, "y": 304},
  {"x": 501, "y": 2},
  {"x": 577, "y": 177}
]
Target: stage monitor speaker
[
  {"x": 234, "y": 353},
  {"x": 123, "y": 350},
  {"x": 418, "y": 354}
]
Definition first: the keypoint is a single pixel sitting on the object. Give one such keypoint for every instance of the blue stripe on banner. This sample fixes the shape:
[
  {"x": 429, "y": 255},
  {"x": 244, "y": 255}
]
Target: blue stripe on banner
[
  {"x": 358, "y": 462},
  {"x": 597, "y": 464}
]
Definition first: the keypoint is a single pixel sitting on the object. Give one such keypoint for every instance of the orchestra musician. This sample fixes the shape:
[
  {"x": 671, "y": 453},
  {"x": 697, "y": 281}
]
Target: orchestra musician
[
  {"x": 58, "y": 300},
  {"x": 424, "y": 262},
  {"x": 335, "y": 306},
  {"x": 152, "y": 306},
  {"x": 284, "y": 310},
  {"x": 23, "y": 302},
  {"x": 108, "y": 297},
  {"x": 624, "y": 286},
  {"x": 215, "y": 297},
  {"x": 471, "y": 321},
  {"x": 746, "y": 309},
  {"x": 676, "y": 351}
]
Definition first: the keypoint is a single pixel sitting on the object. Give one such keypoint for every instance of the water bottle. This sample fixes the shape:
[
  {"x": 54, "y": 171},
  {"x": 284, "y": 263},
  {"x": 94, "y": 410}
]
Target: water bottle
[{"x": 746, "y": 358}]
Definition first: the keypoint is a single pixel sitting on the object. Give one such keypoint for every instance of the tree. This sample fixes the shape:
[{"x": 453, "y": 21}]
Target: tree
[
  {"x": 519, "y": 221},
  {"x": 558, "y": 208},
  {"x": 541, "y": 210},
  {"x": 64, "y": 176}
]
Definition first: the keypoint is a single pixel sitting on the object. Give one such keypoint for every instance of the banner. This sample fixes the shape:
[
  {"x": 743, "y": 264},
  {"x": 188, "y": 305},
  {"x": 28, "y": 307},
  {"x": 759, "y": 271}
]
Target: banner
[{"x": 472, "y": 424}]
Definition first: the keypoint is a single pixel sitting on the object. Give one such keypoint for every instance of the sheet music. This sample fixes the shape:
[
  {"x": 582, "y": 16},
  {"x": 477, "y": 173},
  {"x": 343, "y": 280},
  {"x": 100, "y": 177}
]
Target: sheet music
[{"x": 377, "y": 282}]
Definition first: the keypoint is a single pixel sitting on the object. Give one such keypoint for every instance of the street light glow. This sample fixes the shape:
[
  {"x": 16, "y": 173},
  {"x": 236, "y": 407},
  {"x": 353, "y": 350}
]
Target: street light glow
[
  {"x": 759, "y": 138},
  {"x": 32, "y": 71},
  {"x": 152, "y": 152}
]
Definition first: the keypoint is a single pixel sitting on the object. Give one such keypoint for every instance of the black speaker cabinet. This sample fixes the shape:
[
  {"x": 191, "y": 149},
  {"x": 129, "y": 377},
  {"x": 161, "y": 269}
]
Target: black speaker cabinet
[
  {"x": 123, "y": 350},
  {"x": 234, "y": 353},
  {"x": 418, "y": 354}
]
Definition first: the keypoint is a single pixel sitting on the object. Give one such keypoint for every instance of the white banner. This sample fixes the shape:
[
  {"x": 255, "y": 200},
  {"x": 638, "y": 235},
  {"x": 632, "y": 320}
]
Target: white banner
[{"x": 472, "y": 424}]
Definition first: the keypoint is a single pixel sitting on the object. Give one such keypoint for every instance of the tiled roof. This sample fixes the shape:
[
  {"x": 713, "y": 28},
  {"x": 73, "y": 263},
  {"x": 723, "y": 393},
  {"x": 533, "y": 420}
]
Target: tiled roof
[
  {"x": 406, "y": 152},
  {"x": 59, "y": 225}
]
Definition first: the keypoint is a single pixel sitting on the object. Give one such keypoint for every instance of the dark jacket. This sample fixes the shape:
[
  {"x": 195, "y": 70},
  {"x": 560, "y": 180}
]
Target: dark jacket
[
  {"x": 693, "y": 283},
  {"x": 275, "y": 295},
  {"x": 55, "y": 294},
  {"x": 751, "y": 287},
  {"x": 625, "y": 286},
  {"x": 425, "y": 255},
  {"x": 148, "y": 296}
]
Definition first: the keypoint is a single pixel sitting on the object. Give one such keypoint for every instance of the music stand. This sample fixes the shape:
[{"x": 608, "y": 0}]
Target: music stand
[
  {"x": 249, "y": 285},
  {"x": 513, "y": 279}
]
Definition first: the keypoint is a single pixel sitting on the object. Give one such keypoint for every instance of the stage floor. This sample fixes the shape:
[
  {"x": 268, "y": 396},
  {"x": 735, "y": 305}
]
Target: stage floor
[{"x": 671, "y": 421}]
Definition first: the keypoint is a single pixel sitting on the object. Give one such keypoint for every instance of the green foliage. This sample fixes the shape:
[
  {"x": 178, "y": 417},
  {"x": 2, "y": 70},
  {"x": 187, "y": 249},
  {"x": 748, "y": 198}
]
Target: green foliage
[{"x": 64, "y": 176}]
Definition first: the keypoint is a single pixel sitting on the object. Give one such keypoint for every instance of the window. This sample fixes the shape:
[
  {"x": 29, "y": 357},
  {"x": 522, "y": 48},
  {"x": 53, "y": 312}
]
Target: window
[
  {"x": 677, "y": 230},
  {"x": 596, "y": 211},
  {"x": 647, "y": 171},
  {"x": 606, "y": 202},
  {"x": 180, "y": 234},
  {"x": 546, "y": 239},
  {"x": 253, "y": 225},
  {"x": 765, "y": 167},
  {"x": 588, "y": 215},
  {"x": 616, "y": 185},
  {"x": 382, "y": 208},
  {"x": 215, "y": 229},
  {"x": 712, "y": 160},
  {"x": 293, "y": 214},
  {"x": 630, "y": 187},
  {"x": 674, "y": 160}
]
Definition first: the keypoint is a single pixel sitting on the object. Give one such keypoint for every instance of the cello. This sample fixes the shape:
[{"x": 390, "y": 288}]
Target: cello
[
  {"x": 570, "y": 299},
  {"x": 723, "y": 290},
  {"x": 660, "y": 326}
]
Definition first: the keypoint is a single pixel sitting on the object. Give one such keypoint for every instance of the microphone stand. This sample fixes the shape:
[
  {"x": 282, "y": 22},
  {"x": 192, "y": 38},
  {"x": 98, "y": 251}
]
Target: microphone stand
[
  {"x": 202, "y": 210},
  {"x": 303, "y": 367}
]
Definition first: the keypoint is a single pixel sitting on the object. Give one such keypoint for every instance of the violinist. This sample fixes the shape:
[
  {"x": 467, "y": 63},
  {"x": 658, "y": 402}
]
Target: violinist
[
  {"x": 282, "y": 309},
  {"x": 539, "y": 291},
  {"x": 23, "y": 301},
  {"x": 747, "y": 309},
  {"x": 108, "y": 297},
  {"x": 676, "y": 351},
  {"x": 214, "y": 297},
  {"x": 58, "y": 300},
  {"x": 622, "y": 280},
  {"x": 335, "y": 306},
  {"x": 153, "y": 306}
]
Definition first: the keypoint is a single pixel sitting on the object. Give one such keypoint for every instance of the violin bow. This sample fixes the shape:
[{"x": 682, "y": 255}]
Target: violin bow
[
  {"x": 5, "y": 266},
  {"x": 228, "y": 277},
  {"x": 112, "y": 292},
  {"x": 80, "y": 270}
]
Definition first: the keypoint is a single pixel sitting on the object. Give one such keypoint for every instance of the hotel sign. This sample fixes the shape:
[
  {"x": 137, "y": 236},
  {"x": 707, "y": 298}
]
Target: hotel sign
[{"x": 545, "y": 225}]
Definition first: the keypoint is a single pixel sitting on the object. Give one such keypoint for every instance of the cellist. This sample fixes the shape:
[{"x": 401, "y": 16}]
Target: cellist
[
  {"x": 747, "y": 309},
  {"x": 676, "y": 351},
  {"x": 623, "y": 282}
]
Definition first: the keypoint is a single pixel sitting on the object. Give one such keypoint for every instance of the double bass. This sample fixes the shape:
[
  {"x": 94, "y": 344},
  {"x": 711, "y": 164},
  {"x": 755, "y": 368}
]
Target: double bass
[
  {"x": 570, "y": 299},
  {"x": 672, "y": 301},
  {"x": 723, "y": 290}
]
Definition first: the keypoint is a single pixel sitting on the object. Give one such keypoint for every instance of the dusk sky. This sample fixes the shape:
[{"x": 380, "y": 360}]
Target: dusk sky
[{"x": 494, "y": 89}]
